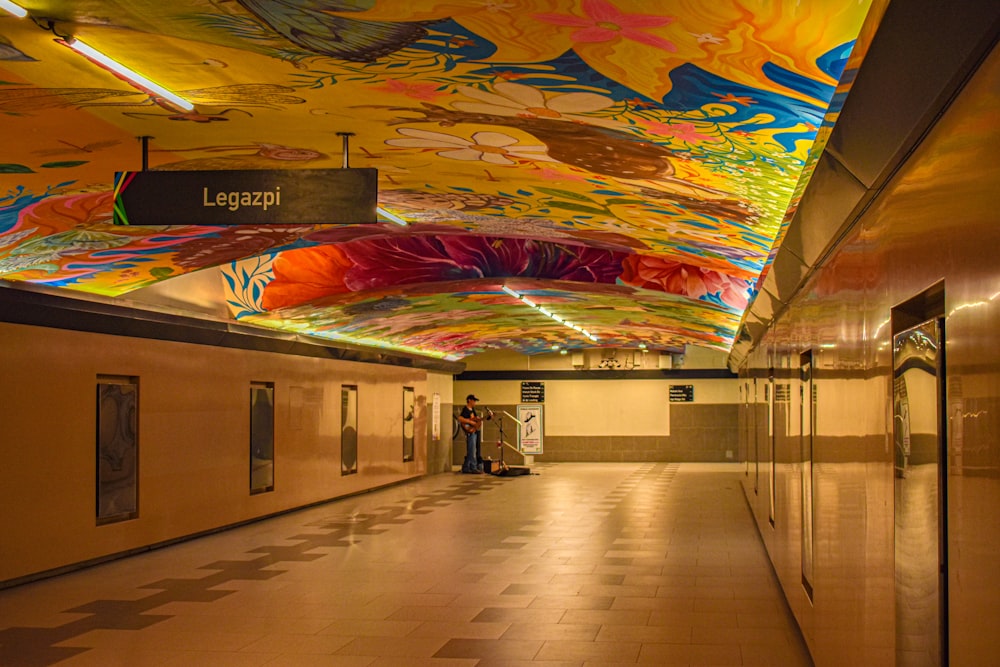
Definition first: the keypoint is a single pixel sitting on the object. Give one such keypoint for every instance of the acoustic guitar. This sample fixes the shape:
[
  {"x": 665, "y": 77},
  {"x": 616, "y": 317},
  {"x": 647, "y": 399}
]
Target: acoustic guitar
[{"x": 472, "y": 428}]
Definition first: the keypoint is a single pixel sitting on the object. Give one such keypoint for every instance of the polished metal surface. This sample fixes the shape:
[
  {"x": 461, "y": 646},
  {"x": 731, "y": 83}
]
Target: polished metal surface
[
  {"x": 895, "y": 96},
  {"x": 935, "y": 223},
  {"x": 918, "y": 552}
]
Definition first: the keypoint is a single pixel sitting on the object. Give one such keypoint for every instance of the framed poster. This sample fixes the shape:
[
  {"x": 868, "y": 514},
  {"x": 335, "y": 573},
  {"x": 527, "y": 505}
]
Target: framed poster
[
  {"x": 261, "y": 437},
  {"x": 117, "y": 448},
  {"x": 529, "y": 433},
  {"x": 348, "y": 430}
]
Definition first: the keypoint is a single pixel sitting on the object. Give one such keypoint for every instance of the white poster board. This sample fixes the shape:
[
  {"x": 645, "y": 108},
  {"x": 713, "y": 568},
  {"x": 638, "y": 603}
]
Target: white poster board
[
  {"x": 436, "y": 417},
  {"x": 529, "y": 432}
]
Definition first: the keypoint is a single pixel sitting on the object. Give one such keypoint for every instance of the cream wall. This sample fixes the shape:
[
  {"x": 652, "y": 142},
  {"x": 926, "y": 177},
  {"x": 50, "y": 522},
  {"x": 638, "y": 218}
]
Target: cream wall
[
  {"x": 603, "y": 407},
  {"x": 438, "y": 383},
  {"x": 193, "y": 431}
]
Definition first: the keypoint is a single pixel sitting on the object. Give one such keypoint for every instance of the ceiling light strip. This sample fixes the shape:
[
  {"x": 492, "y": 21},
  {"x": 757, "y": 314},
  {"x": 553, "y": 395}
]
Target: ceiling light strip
[
  {"x": 391, "y": 217},
  {"x": 137, "y": 79},
  {"x": 547, "y": 313},
  {"x": 19, "y": 12}
]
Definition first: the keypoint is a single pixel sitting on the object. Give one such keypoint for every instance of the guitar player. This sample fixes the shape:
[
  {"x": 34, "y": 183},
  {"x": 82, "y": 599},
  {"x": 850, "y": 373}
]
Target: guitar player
[{"x": 472, "y": 423}]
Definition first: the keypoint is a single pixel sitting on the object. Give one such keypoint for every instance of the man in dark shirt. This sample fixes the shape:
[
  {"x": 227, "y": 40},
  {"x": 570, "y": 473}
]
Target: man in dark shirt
[{"x": 472, "y": 423}]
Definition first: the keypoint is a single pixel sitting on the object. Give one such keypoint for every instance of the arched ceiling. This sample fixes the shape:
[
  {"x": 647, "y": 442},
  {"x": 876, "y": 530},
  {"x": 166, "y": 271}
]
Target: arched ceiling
[{"x": 630, "y": 166}]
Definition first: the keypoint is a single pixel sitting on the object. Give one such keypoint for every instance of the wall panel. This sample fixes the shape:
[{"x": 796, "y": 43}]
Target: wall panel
[{"x": 194, "y": 422}]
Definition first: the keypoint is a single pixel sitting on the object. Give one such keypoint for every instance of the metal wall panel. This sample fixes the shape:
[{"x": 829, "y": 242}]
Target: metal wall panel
[
  {"x": 935, "y": 221},
  {"x": 907, "y": 75}
]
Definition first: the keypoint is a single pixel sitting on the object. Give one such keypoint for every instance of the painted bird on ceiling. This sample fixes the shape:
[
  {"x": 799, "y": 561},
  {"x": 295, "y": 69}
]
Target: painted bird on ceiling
[
  {"x": 599, "y": 150},
  {"x": 292, "y": 30}
]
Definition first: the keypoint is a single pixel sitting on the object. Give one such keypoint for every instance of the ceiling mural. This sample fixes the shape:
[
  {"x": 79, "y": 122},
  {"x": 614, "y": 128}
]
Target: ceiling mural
[{"x": 628, "y": 165}]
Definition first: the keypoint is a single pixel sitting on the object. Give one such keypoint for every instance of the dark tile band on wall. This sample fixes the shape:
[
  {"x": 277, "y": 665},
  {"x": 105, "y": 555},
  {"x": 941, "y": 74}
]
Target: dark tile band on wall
[
  {"x": 699, "y": 432},
  {"x": 648, "y": 374},
  {"x": 35, "y": 307}
]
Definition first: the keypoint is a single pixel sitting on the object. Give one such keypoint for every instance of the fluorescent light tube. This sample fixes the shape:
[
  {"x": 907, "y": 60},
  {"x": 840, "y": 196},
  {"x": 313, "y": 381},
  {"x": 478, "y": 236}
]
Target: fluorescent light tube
[
  {"x": 19, "y": 12},
  {"x": 547, "y": 313},
  {"x": 391, "y": 217},
  {"x": 133, "y": 76}
]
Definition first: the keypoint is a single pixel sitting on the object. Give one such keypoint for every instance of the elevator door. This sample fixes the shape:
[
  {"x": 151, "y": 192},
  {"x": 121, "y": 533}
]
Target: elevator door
[{"x": 920, "y": 544}]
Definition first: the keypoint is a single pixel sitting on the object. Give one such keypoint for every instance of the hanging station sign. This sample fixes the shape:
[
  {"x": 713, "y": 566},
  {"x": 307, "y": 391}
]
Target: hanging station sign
[{"x": 246, "y": 197}]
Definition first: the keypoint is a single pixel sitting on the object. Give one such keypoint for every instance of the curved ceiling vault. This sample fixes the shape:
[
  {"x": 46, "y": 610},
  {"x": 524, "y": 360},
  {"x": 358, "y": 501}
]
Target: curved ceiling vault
[{"x": 629, "y": 166}]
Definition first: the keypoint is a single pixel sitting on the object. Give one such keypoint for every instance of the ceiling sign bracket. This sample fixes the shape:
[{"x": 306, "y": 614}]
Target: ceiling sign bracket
[{"x": 346, "y": 136}]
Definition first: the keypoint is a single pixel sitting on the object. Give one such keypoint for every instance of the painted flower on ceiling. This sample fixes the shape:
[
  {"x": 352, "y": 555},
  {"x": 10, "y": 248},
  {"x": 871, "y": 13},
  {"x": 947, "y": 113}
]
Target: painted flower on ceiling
[
  {"x": 491, "y": 147},
  {"x": 604, "y": 22},
  {"x": 308, "y": 274},
  {"x": 515, "y": 99},
  {"x": 662, "y": 274}
]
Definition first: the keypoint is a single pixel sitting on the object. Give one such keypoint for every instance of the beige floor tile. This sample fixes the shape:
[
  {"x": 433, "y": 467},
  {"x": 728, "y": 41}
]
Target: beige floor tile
[
  {"x": 677, "y": 604},
  {"x": 139, "y": 657},
  {"x": 585, "y": 564},
  {"x": 410, "y": 661},
  {"x": 482, "y": 600},
  {"x": 355, "y": 627},
  {"x": 572, "y": 602},
  {"x": 298, "y": 660},
  {"x": 645, "y": 633},
  {"x": 548, "y": 631},
  {"x": 494, "y": 650},
  {"x": 606, "y": 616},
  {"x": 417, "y": 647},
  {"x": 692, "y": 619},
  {"x": 460, "y": 630},
  {"x": 591, "y": 651},
  {"x": 723, "y": 655},
  {"x": 435, "y": 614},
  {"x": 284, "y": 644}
]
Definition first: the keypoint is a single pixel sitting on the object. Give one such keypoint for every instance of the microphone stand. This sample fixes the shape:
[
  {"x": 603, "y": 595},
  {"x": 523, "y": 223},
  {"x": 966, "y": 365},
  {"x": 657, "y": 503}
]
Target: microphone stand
[{"x": 501, "y": 439}]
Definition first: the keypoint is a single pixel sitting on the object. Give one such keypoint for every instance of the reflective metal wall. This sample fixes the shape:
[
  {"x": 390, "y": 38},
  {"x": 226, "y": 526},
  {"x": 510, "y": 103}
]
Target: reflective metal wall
[{"x": 818, "y": 392}]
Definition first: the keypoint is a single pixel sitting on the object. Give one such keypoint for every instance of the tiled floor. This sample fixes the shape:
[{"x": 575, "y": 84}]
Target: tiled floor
[{"x": 578, "y": 564}]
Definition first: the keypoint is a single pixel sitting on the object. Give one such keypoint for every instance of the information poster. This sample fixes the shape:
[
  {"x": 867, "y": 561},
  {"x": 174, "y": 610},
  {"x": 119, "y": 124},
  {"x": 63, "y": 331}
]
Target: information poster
[
  {"x": 682, "y": 393},
  {"x": 436, "y": 417},
  {"x": 529, "y": 434},
  {"x": 532, "y": 392}
]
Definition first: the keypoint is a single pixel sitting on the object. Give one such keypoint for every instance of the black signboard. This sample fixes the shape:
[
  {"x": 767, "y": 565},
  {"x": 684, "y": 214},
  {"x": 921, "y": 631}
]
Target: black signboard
[
  {"x": 532, "y": 392},
  {"x": 246, "y": 197},
  {"x": 682, "y": 393}
]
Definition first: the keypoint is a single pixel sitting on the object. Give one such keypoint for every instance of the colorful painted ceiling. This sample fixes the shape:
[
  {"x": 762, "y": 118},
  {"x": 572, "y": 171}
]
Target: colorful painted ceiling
[{"x": 628, "y": 166}]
